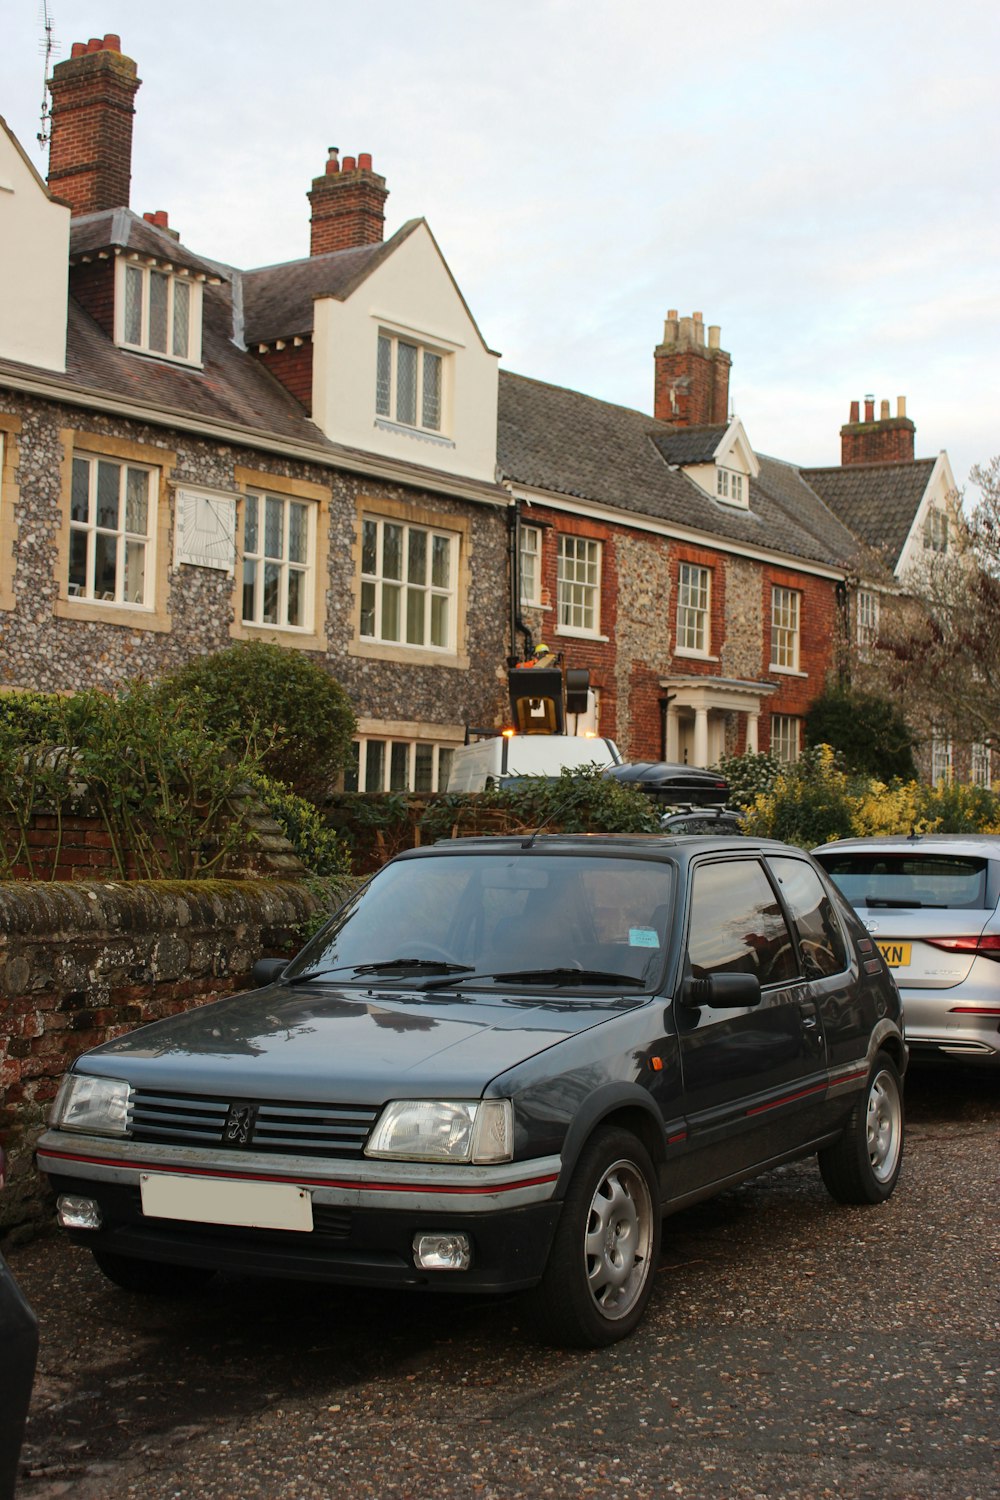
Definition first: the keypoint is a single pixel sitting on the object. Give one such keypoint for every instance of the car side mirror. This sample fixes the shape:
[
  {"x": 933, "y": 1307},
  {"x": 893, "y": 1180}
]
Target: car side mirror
[
  {"x": 722, "y": 991},
  {"x": 267, "y": 970}
]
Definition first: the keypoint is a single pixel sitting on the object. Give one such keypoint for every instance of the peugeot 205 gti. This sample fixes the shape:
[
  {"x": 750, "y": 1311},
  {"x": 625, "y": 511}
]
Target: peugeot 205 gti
[{"x": 496, "y": 1068}]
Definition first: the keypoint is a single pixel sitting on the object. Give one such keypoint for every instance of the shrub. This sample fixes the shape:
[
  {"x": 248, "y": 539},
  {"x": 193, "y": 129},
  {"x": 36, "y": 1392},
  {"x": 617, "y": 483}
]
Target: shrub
[
  {"x": 748, "y": 776},
  {"x": 868, "y": 732},
  {"x": 321, "y": 850},
  {"x": 808, "y": 804},
  {"x": 255, "y": 693},
  {"x": 161, "y": 787}
]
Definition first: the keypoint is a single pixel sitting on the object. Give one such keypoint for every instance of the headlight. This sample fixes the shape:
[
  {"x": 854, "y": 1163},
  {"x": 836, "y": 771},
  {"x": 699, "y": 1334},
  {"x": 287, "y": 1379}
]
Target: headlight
[
  {"x": 444, "y": 1130},
  {"x": 98, "y": 1106}
]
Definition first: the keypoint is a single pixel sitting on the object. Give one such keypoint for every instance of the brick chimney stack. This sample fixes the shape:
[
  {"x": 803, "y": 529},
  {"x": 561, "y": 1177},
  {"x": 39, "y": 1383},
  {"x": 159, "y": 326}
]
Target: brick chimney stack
[
  {"x": 691, "y": 386},
  {"x": 890, "y": 440},
  {"x": 90, "y": 153},
  {"x": 348, "y": 205}
]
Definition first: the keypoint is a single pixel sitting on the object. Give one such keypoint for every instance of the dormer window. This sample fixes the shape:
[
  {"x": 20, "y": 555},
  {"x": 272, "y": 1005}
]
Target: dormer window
[
  {"x": 409, "y": 383},
  {"x": 729, "y": 486},
  {"x": 158, "y": 311}
]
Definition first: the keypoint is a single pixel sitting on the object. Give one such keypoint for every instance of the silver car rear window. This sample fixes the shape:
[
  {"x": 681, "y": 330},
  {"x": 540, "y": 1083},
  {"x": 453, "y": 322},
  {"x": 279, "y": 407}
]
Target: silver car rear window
[{"x": 910, "y": 880}]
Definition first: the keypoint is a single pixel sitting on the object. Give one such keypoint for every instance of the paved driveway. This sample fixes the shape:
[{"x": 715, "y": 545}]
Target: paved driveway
[{"x": 793, "y": 1348}]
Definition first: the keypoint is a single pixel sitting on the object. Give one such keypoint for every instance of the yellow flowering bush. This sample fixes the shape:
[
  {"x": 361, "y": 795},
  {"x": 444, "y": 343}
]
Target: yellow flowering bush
[{"x": 815, "y": 801}]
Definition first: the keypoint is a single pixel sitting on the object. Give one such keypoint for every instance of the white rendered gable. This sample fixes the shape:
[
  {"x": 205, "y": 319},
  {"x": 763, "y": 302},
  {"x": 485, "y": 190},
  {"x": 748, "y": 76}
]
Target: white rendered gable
[
  {"x": 34, "y": 263},
  {"x": 941, "y": 495},
  {"x": 411, "y": 299}
]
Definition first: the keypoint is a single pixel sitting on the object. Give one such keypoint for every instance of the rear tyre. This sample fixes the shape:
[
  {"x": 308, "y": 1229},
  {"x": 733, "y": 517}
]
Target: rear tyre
[
  {"x": 862, "y": 1166},
  {"x": 599, "y": 1275},
  {"x": 152, "y": 1277}
]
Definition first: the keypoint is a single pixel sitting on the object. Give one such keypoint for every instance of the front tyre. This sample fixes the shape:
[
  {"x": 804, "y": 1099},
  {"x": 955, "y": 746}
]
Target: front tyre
[
  {"x": 599, "y": 1275},
  {"x": 862, "y": 1166}
]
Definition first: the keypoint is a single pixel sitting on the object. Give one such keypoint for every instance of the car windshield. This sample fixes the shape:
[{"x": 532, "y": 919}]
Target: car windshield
[
  {"x": 515, "y": 916},
  {"x": 909, "y": 880}
]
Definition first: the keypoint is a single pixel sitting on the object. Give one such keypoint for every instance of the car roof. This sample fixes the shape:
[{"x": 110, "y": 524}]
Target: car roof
[
  {"x": 899, "y": 843},
  {"x": 685, "y": 846}
]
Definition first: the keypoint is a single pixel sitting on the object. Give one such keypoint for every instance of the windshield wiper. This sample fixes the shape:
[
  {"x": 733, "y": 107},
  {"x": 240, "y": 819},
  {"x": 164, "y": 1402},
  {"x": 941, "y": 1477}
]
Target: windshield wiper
[
  {"x": 905, "y": 905},
  {"x": 394, "y": 965},
  {"x": 388, "y": 966},
  {"x": 570, "y": 976}
]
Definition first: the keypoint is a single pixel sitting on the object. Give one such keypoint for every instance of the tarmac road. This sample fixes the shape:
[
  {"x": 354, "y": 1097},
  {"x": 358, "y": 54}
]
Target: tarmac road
[{"x": 794, "y": 1348}]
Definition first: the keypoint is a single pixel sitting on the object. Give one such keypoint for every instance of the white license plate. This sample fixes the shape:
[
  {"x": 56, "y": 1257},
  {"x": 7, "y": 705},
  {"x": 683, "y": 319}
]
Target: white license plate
[{"x": 213, "y": 1200}]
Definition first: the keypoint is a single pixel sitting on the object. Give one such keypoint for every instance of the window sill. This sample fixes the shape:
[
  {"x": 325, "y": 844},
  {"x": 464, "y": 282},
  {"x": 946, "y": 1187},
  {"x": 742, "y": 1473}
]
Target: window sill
[
  {"x": 295, "y": 640},
  {"x": 100, "y": 611},
  {"x": 174, "y": 360},
  {"x": 414, "y": 656},
  {"x": 581, "y": 635},
  {"x": 786, "y": 671},
  {"x": 422, "y": 434},
  {"x": 694, "y": 655}
]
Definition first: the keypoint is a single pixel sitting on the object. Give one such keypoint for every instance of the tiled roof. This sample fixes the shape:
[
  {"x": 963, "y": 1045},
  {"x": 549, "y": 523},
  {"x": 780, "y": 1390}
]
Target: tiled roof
[
  {"x": 554, "y": 439},
  {"x": 230, "y": 386},
  {"x": 877, "y": 501},
  {"x": 689, "y": 445},
  {"x": 278, "y": 300},
  {"x": 121, "y": 228}
]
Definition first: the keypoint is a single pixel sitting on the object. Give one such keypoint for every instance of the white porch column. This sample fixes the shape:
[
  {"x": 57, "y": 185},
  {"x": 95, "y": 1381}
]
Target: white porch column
[
  {"x": 753, "y": 720},
  {"x": 673, "y": 739},
  {"x": 701, "y": 736}
]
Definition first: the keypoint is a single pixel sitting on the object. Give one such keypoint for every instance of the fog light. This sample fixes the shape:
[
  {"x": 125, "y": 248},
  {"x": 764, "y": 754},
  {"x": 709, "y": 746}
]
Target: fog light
[
  {"x": 442, "y": 1252},
  {"x": 78, "y": 1213}
]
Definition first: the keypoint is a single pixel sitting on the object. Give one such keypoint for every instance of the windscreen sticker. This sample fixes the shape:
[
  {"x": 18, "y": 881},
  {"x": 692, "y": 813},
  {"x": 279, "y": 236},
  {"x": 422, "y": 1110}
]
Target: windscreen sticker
[{"x": 643, "y": 937}]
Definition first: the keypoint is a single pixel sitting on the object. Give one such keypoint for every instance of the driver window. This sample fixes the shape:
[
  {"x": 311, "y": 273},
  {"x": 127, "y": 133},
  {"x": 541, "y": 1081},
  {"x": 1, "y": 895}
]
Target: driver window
[{"x": 737, "y": 926}]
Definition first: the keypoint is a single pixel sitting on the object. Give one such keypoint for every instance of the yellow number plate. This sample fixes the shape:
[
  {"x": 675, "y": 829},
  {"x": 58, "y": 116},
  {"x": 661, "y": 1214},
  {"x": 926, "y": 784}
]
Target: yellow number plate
[{"x": 896, "y": 955}]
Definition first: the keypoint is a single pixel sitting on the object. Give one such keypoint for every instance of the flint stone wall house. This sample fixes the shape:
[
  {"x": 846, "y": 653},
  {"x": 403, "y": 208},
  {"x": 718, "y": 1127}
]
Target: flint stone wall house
[
  {"x": 194, "y": 455},
  {"x": 323, "y": 453}
]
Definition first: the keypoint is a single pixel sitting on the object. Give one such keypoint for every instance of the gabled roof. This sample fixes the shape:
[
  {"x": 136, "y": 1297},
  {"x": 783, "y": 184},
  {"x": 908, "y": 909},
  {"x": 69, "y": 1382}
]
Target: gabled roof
[
  {"x": 878, "y": 502},
  {"x": 121, "y": 229},
  {"x": 573, "y": 445},
  {"x": 278, "y": 300}
]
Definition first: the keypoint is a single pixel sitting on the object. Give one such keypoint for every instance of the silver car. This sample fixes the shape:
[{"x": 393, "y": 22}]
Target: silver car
[{"x": 930, "y": 902}]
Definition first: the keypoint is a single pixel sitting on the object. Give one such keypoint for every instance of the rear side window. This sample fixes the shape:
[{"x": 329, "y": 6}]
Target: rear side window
[
  {"x": 953, "y": 881},
  {"x": 821, "y": 941},
  {"x": 737, "y": 926}
]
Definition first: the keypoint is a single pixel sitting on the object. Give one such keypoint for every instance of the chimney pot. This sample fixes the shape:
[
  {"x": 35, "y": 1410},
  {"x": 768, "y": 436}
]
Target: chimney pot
[
  {"x": 900, "y": 406},
  {"x": 365, "y": 161},
  {"x": 672, "y": 315},
  {"x": 883, "y": 412},
  {"x": 350, "y": 165},
  {"x": 78, "y": 49},
  {"x": 855, "y": 412},
  {"x": 714, "y": 335},
  {"x": 96, "y": 44},
  {"x": 869, "y": 408},
  {"x": 112, "y": 42}
]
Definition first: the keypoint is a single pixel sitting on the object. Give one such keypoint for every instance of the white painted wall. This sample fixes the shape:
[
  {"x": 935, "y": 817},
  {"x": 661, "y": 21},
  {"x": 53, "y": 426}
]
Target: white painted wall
[
  {"x": 411, "y": 294},
  {"x": 34, "y": 267},
  {"x": 941, "y": 494}
]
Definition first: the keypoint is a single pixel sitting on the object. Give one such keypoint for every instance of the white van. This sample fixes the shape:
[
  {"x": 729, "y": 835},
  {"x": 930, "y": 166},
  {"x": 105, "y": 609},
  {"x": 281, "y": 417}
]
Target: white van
[{"x": 489, "y": 761}]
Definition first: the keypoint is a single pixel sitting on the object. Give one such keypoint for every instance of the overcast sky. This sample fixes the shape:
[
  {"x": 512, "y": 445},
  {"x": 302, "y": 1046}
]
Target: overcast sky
[{"x": 818, "y": 179}]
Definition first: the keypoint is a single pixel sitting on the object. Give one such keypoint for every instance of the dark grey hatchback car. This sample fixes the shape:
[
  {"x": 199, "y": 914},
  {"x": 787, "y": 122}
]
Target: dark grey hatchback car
[{"x": 496, "y": 1068}]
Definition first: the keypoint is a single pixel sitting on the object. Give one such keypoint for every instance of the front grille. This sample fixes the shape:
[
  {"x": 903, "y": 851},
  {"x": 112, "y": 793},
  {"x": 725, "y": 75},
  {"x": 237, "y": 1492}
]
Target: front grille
[{"x": 330, "y": 1130}]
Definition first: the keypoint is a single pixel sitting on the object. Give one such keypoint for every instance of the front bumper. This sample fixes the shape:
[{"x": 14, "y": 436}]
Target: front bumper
[{"x": 364, "y": 1214}]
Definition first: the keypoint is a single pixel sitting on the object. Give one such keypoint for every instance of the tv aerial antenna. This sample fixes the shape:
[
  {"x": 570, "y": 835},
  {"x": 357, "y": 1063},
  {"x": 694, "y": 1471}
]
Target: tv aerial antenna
[{"x": 48, "y": 46}]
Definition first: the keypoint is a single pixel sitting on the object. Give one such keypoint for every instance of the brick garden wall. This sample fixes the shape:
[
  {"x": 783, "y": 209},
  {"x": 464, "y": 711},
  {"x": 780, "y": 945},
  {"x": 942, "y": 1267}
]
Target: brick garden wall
[{"x": 83, "y": 962}]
